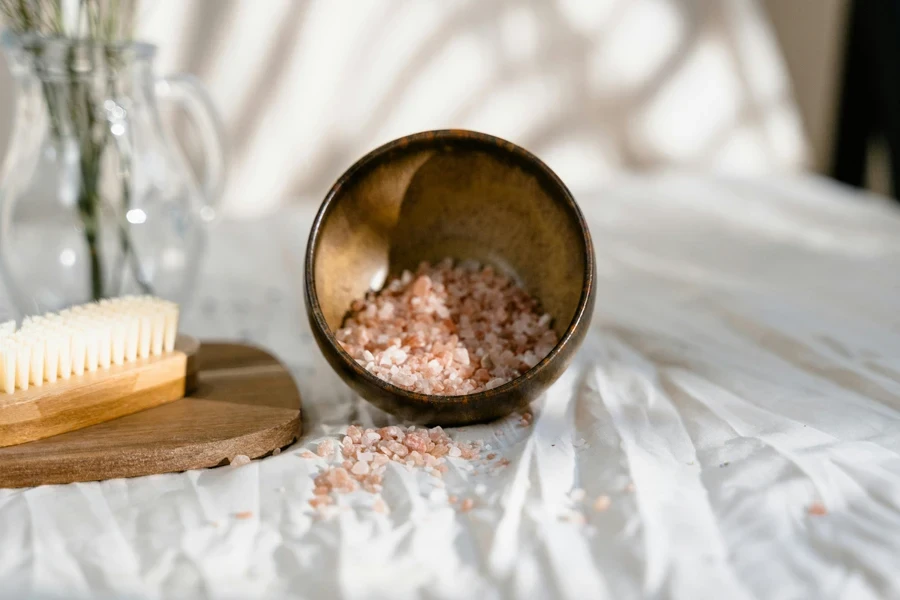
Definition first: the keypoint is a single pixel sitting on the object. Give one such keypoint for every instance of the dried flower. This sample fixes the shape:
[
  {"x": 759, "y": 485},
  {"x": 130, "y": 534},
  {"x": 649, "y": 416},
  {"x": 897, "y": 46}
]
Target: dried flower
[{"x": 101, "y": 20}]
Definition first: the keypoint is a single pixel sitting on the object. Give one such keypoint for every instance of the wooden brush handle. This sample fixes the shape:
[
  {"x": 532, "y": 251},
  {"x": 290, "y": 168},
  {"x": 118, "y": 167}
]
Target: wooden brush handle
[{"x": 103, "y": 395}]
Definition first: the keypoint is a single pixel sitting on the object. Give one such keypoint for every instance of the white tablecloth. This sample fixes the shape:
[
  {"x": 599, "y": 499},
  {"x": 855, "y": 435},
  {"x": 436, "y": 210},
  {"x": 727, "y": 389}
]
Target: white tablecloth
[{"x": 743, "y": 365}]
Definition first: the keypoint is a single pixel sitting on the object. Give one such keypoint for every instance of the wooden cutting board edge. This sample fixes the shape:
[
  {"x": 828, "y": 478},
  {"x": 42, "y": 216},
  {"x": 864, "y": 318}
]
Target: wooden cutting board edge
[{"x": 264, "y": 414}]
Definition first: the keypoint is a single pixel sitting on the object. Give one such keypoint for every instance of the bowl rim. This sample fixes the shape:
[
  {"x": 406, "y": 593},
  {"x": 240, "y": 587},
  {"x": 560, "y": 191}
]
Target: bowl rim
[{"x": 426, "y": 138}]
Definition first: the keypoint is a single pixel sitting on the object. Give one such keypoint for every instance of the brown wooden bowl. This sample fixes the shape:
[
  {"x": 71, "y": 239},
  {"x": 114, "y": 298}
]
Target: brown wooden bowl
[{"x": 460, "y": 194}]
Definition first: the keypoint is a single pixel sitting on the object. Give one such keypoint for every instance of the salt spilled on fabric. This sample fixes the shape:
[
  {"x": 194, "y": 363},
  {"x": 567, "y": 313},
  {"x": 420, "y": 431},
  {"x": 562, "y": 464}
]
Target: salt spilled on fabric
[
  {"x": 367, "y": 452},
  {"x": 448, "y": 330}
]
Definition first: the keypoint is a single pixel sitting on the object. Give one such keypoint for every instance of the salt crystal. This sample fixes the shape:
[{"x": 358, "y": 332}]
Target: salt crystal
[
  {"x": 325, "y": 448},
  {"x": 440, "y": 450},
  {"x": 240, "y": 460},
  {"x": 398, "y": 449},
  {"x": 454, "y": 452},
  {"x": 379, "y": 506},
  {"x": 319, "y": 501},
  {"x": 364, "y": 456},
  {"x": 391, "y": 432},
  {"x": 421, "y": 286},
  {"x": 360, "y": 468},
  {"x": 602, "y": 503},
  {"x": 495, "y": 382},
  {"x": 386, "y": 311},
  {"x": 817, "y": 509},
  {"x": 415, "y": 442},
  {"x": 461, "y": 355},
  {"x": 467, "y": 505}
]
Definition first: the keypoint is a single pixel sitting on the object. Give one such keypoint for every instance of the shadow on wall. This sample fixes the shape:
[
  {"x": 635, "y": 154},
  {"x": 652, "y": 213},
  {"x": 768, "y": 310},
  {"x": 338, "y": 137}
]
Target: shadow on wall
[{"x": 306, "y": 88}]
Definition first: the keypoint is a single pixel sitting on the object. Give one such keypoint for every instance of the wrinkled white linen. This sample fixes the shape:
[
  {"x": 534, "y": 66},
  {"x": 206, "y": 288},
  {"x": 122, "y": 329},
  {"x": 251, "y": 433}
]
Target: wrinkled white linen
[{"x": 743, "y": 363}]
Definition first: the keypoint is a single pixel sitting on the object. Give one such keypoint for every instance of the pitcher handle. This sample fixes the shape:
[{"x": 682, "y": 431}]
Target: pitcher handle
[{"x": 190, "y": 93}]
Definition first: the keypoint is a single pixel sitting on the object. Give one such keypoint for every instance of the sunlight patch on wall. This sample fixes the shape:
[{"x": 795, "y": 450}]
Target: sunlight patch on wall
[
  {"x": 583, "y": 162},
  {"x": 519, "y": 32},
  {"x": 385, "y": 63},
  {"x": 517, "y": 106},
  {"x": 589, "y": 17},
  {"x": 697, "y": 103},
  {"x": 632, "y": 52},
  {"x": 457, "y": 71}
]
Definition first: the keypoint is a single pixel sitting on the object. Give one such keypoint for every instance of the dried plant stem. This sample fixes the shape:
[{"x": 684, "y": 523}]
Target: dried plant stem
[{"x": 72, "y": 108}]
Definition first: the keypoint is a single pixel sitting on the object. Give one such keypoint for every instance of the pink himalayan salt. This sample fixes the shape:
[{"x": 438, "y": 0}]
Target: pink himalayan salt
[
  {"x": 817, "y": 509},
  {"x": 321, "y": 500},
  {"x": 325, "y": 448},
  {"x": 602, "y": 503},
  {"x": 240, "y": 460},
  {"x": 447, "y": 330},
  {"x": 527, "y": 418},
  {"x": 246, "y": 514},
  {"x": 366, "y": 459},
  {"x": 467, "y": 505},
  {"x": 380, "y": 506}
]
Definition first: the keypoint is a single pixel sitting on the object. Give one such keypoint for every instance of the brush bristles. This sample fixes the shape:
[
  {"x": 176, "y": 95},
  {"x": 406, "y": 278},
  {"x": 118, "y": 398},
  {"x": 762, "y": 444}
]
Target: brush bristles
[{"x": 84, "y": 339}]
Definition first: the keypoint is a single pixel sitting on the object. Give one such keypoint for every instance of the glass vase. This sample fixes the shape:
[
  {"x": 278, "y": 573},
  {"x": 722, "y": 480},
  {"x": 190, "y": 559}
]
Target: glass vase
[{"x": 96, "y": 199}]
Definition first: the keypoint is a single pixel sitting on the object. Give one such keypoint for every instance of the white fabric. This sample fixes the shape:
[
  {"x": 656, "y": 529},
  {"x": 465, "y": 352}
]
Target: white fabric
[{"x": 744, "y": 363}]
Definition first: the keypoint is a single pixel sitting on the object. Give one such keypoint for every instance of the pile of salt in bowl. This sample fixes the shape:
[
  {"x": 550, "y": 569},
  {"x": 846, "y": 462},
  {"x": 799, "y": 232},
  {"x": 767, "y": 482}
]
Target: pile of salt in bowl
[{"x": 448, "y": 330}]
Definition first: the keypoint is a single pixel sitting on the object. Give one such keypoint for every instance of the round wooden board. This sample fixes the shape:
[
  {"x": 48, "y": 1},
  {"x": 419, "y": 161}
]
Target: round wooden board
[{"x": 244, "y": 402}]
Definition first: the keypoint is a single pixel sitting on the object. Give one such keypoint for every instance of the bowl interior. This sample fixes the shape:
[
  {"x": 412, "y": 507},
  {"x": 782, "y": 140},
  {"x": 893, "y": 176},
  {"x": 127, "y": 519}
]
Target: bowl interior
[{"x": 462, "y": 196}]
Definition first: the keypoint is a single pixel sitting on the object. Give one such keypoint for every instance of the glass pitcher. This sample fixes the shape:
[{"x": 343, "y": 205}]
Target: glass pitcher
[{"x": 96, "y": 200}]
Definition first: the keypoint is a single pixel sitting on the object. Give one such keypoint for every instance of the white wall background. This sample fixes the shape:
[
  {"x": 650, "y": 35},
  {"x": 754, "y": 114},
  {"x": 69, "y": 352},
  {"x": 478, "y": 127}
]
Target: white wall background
[{"x": 592, "y": 86}]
